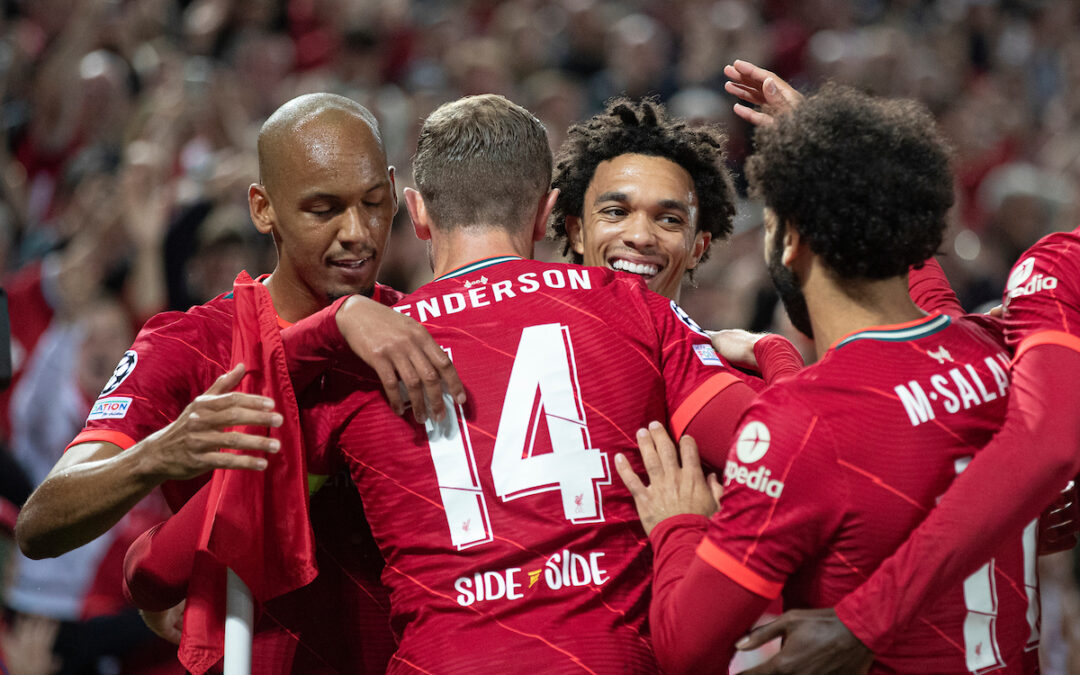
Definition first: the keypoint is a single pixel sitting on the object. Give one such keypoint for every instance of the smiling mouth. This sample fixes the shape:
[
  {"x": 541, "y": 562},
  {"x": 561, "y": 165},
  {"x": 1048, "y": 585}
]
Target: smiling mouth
[
  {"x": 647, "y": 270},
  {"x": 349, "y": 264}
]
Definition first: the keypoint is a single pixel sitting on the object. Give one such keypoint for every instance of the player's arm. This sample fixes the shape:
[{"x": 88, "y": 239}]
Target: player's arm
[
  {"x": 697, "y": 613},
  {"x": 774, "y": 356},
  {"x": 95, "y": 483},
  {"x": 930, "y": 290},
  {"x": 395, "y": 346}
]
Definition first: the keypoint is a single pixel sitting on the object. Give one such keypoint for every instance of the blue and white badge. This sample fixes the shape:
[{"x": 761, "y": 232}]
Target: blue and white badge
[
  {"x": 707, "y": 355},
  {"x": 113, "y": 408}
]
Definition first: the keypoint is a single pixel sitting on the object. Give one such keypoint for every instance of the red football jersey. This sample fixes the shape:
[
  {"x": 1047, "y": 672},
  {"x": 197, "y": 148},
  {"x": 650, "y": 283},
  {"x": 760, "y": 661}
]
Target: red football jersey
[
  {"x": 1042, "y": 297},
  {"x": 508, "y": 544},
  {"x": 175, "y": 358},
  {"x": 832, "y": 470}
]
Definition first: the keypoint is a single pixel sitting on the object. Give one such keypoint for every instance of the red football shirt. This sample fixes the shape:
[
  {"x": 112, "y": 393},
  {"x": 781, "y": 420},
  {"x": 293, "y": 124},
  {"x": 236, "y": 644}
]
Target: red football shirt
[
  {"x": 175, "y": 358},
  {"x": 508, "y": 544},
  {"x": 1042, "y": 307},
  {"x": 832, "y": 470}
]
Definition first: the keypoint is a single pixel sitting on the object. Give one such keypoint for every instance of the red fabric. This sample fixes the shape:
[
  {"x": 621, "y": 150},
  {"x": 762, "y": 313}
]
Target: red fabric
[
  {"x": 158, "y": 563},
  {"x": 930, "y": 289},
  {"x": 257, "y": 523},
  {"x": 689, "y": 634},
  {"x": 833, "y": 469},
  {"x": 607, "y": 357},
  {"x": 1029, "y": 460},
  {"x": 777, "y": 358},
  {"x": 313, "y": 343},
  {"x": 1010, "y": 482},
  {"x": 716, "y": 423}
]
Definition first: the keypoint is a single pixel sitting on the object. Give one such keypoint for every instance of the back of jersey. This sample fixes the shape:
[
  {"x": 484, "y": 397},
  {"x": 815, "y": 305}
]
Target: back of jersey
[
  {"x": 508, "y": 543},
  {"x": 853, "y": 454}
]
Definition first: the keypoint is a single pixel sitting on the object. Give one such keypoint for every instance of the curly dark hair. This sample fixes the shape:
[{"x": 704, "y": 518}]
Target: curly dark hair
[
  {"x": 627, "y": 127},
  {"x": 866, "y": 181}
]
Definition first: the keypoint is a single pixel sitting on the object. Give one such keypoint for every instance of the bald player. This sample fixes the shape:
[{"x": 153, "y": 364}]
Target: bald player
[{"x": 328, "y": 198}]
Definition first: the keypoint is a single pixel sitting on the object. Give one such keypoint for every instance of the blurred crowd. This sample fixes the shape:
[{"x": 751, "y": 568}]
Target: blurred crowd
[{"x": 128, "y": 142}]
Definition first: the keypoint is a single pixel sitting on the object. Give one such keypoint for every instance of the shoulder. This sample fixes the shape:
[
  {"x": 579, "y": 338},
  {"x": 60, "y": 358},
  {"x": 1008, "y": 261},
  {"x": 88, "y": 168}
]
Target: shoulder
[
  {"x": 386, "y": 295},
  {"x": 1050, "y": 261},
  {"x": 203, "y": 332}
]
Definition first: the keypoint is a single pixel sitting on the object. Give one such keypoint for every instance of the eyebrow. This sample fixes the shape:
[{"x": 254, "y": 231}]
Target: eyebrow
[
  {"x": 321, "y": 194},
  {"x": 622, "y": 197}
]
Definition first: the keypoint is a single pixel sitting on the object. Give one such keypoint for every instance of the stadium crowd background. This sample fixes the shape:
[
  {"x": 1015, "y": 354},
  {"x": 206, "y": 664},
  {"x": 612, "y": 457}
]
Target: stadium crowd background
[{"x": 129, "y": 133}]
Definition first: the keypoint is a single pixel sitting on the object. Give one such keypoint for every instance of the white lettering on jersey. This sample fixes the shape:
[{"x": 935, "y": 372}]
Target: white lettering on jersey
[
  {"x": 113, "y": 408},
  {"x": 478, "y": 294},
  {"x": 564, "y": 569},
  {"x": 1022, "y": 283},
  {"x": 955, "y": 390}
]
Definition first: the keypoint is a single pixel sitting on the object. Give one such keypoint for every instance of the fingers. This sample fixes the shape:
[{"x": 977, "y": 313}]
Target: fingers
[
  {"x": 389, "y": 381},
  {"x": 629, "y": 478},
  {"x": 413, "y": 386},
  {"x": 688, "y": 455},
  {"x": 447, "y": 372},
  {"x": 233, "y": 399},
  {"x": 229, "y": 460},
  {"x": 752, "y": 116},
  {"x": 761, "y": 635},
  {"x": 649, "y": 457},
  {"x": 665, "y": 448},
  {"x": 715, "y": 487},
  {"x": 228, "y": 381},
  {"x": 431, "y": 381},
  {"x": 234, "y": 416}
]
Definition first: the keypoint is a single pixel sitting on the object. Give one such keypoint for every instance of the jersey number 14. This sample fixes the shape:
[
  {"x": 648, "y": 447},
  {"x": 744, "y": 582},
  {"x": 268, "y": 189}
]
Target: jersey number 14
[{"x": 543, "y": 384}]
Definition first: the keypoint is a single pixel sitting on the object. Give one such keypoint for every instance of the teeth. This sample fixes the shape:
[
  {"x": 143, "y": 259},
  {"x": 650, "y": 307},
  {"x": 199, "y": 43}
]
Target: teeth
[{"x": 635, "y": 268}]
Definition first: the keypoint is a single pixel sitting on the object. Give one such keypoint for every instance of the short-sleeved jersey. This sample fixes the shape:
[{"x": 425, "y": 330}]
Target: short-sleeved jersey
[
  {"x": 832, "y": 470},
  {"x": 1042, "y": 296},
  {"x": 175, "y": 358},
  {"x": 508, "y": 545}
]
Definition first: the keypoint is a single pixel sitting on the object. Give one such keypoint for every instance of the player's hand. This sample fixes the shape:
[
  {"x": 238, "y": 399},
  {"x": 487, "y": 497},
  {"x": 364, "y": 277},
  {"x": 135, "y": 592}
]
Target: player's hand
[
  {"x": 736, "y": 346},
  {"x": 998, "y": 312},
  {"x": 1059, "y": 524},
  {"x": 400, "y": 350},
  {"x": 815, "y": 643},
  {"x": 674, "y": 487},
  {"x": 761, "y": 87},
  {"x": 192, "y": 444},
  {"x": 167, "y": 624}
]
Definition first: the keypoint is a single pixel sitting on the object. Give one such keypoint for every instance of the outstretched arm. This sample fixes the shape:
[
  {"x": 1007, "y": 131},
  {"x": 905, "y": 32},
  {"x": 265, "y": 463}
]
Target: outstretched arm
[
  {"x": 95, "y": 483},
  {"x": 396, "y": 347}
]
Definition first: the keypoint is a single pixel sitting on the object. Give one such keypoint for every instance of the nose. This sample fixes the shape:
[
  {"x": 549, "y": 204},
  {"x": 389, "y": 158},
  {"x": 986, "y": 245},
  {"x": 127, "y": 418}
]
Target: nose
[
  {"x": 638, "y": 231},
  {"x": 353, "y": 227}
]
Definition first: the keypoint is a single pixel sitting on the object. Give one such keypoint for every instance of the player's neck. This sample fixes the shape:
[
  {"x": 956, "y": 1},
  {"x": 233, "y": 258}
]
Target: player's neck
[
  {"x": 840, "y": 307},
  {"x": 464, "y": 245},
  {"x": 292, "y": 300}
]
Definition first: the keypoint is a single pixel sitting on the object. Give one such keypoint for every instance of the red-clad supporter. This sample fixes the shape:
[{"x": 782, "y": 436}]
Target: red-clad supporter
[
  {"x": 327, "y": 197},
  {"x": 809, "y": 509}
]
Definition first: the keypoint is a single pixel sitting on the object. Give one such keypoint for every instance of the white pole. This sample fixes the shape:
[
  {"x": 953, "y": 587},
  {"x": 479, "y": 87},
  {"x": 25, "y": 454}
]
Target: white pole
[{"x": 239, "y": 620}]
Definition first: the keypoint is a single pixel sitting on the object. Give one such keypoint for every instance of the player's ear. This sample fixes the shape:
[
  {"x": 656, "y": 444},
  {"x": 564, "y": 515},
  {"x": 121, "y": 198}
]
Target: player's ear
[
  {"x": 794, "y": 245},
  {"x": 262, "y": 211},
  {"x": 393, "y": 188},
  {"x": 414, "y": 202},
  {"x": 701, "y": 244},
  {"x": 573, "y": 232},
  {"x": 543, "y": 212}
]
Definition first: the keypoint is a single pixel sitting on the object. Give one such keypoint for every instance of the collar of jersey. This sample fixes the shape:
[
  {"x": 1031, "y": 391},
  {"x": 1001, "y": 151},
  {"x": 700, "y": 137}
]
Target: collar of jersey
[
  {"x": 899, "y": 332},
  {"x": 282, "y": 323},
  {"x": 478, "y": 265}
]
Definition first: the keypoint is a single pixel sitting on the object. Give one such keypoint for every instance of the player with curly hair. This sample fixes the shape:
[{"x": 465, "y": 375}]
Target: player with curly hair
[
  {"x": 832, "y": 469},
  {"x": 642, "y": 192}
]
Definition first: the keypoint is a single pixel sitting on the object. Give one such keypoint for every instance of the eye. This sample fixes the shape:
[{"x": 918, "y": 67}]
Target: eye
[
  {"x": 671, "y": 220},
  {"x": 615, "y": 211}
]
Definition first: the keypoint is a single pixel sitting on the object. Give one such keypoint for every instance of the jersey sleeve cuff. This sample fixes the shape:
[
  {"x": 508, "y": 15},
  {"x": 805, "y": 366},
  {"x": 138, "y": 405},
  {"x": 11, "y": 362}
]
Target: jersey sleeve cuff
[
  {"x": 1048, "y": 337},
  {"x": 697, "y": 400},
  {"x": 736, "y": 571},
  {"x": 103, "y": 435}
]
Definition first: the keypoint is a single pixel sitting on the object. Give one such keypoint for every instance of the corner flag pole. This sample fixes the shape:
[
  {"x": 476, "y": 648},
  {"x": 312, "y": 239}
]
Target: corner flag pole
[{"x": 239, "y": 620}]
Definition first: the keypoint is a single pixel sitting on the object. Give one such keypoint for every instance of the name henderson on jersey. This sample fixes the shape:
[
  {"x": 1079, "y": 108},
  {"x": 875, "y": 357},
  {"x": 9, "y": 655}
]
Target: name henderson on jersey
[
  {"x": 960, "y": 388},
  {"x": 479, "y": 294}
]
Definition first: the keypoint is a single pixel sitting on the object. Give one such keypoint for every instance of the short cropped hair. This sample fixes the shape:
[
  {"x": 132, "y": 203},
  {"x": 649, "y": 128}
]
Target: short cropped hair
[
  {"x": 643, "y": 128},
  {"x": 482, "y": 160},
  {"x": 865, "y": 181}
]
